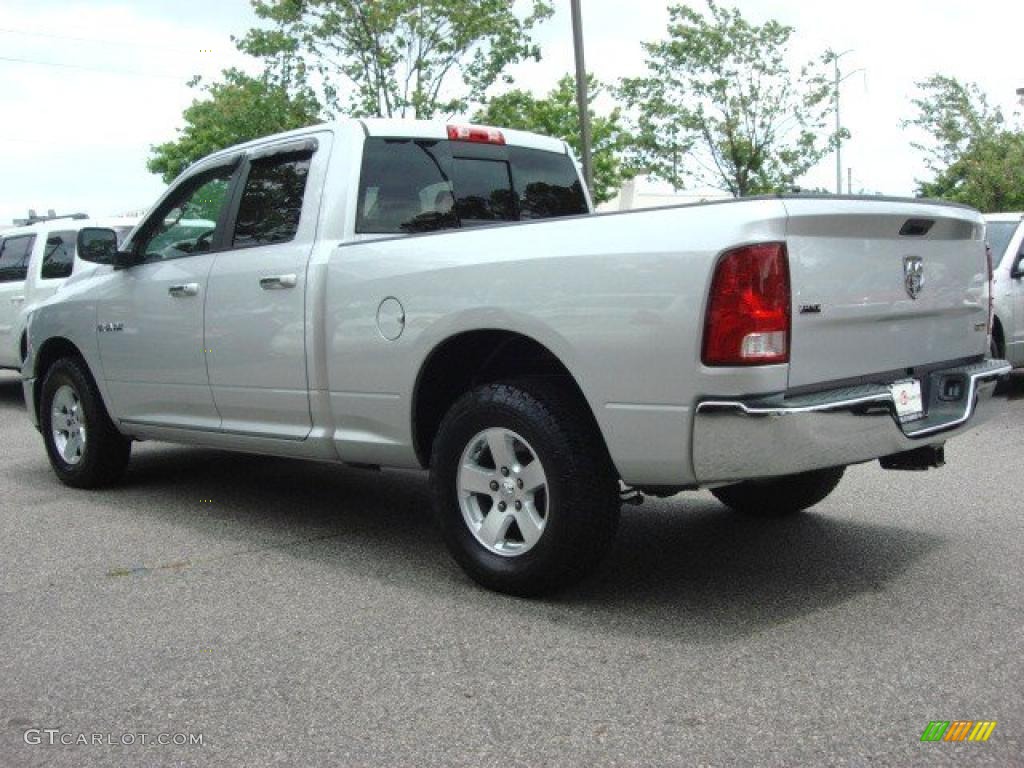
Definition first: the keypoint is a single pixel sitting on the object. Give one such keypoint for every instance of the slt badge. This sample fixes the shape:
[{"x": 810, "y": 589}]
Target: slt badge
[{"x": 913, "y": 275}]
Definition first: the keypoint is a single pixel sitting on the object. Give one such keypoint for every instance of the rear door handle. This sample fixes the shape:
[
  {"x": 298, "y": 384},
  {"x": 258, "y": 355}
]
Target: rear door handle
[
  {"x": 278, "y": 282},
  {"x": 17, "y": 300},
  {"x": 186, "y": 289}
]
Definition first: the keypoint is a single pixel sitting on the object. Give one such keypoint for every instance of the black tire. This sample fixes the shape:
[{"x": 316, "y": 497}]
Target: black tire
[
  {"x": 780, "y": 496},
  {"x": 106, "y": 451},
  {"x": 582, "y": 499}
]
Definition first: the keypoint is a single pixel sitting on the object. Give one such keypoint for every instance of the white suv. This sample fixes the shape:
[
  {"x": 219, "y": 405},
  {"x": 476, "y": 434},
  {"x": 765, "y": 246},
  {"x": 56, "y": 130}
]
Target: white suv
[
  {"x": 34, "y": 261},
  {"x": 1005, "y": 234}
]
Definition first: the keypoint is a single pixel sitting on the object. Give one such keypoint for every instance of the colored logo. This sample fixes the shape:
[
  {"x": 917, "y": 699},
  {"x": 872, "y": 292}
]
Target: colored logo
[{"x": 958, "y": 730}]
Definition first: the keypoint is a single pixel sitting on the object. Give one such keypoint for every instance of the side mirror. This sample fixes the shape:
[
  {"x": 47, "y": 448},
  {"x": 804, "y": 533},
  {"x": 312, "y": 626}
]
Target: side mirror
[{"x": 97, "y": 245}]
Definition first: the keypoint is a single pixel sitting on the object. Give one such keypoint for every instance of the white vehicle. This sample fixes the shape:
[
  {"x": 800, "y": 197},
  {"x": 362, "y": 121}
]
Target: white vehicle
[
  {"x": 34, "y": 261},
  {"x": 1005, "y": 235},
  {"x": 415, "y": 294}
]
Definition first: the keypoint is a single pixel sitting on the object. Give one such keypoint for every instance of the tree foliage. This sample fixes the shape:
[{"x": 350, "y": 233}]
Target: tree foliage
[
  {"x": 557, "y": 115},
  {"x": 394, "y": 58},
  {"x": 720, "y": 106},
  {"x": 974, "y": 155},
  {"x": 239, "y": 108}
]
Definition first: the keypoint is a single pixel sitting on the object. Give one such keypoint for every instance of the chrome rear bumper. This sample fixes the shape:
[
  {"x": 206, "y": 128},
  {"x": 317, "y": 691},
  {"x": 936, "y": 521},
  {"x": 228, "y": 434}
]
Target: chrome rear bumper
[{"x": 768, "y": 437}]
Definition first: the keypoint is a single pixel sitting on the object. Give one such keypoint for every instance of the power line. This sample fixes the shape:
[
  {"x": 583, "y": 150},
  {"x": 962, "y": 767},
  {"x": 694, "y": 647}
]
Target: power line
[
  {"x": 122, "y": 43},
  {"x": 129, "y": 73}
]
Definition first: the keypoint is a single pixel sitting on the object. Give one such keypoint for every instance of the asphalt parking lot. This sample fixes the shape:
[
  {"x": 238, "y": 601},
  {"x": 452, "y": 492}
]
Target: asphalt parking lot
[{"x": 298, "y": 614}]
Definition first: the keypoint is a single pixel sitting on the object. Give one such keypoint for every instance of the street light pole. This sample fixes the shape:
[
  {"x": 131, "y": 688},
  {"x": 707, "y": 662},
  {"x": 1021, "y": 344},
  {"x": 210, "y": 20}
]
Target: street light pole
[
  {"x": 582, "y": 101},
  {"x": 839, "y": 133}
]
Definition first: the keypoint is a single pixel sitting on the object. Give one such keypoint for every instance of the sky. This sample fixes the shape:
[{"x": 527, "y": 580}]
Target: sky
[{"x": 86, "y": 88}]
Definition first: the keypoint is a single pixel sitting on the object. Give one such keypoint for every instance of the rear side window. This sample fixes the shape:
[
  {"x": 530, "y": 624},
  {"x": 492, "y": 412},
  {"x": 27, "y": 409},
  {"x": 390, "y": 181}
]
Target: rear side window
[
  {"x": 272, "y": 201},
  {"x": 59, "y": 256},
  {"x": 411, "y": 186},
  {"x": 14, "y": 256}
]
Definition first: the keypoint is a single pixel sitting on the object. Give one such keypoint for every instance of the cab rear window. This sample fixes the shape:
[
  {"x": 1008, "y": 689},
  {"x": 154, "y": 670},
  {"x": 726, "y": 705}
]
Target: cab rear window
[{"x": 409, "y": 186}]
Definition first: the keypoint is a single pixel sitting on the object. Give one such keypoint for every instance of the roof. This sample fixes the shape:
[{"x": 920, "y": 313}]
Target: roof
[
  {"x": 54, "y": 225},
  {"x": 1004, "y": 216},
  {"x": 405, "y": 129}
]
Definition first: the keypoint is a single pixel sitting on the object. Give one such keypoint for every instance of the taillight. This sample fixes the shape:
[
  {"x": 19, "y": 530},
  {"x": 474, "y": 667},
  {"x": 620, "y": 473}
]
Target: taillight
[
  {"x": 475, "y": 133},
  {"x": 748, "y": 318}
]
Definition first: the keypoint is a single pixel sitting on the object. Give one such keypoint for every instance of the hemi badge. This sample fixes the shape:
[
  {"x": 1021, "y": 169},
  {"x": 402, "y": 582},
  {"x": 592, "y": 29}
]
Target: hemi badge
[
  {"x": 110, "y": 327},
  {"x": 810, "y": 309}
]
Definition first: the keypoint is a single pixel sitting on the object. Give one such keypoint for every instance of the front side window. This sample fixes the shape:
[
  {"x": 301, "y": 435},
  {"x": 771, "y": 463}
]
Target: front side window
[
  {"x": 14, "y": 256},
  {"x": 190, "y": 219},
  {"x": 59, "y": 256},
  {"x": 272, "y": 201}
]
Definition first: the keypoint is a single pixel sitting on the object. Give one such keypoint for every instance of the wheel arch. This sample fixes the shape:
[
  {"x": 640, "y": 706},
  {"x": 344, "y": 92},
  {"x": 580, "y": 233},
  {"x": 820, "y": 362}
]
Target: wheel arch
[
  {"x": 468, "y": 359},
  {"x": 50, "y": 351}
]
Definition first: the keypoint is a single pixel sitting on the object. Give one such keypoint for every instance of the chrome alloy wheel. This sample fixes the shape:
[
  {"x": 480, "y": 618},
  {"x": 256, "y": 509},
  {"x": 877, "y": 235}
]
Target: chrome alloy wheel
[
  {"x": 67, "y": 421},
  {"x": 503, "y": 492}
]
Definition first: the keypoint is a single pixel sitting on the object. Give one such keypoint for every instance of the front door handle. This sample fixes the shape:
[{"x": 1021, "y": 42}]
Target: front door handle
[
  {"x": 278, "y": 282},
  {"x": 186, "y": 289}
]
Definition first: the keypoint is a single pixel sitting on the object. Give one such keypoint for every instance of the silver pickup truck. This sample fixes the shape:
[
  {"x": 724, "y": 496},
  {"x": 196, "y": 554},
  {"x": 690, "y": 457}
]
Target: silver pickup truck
[{"x": 415, "y": 294}]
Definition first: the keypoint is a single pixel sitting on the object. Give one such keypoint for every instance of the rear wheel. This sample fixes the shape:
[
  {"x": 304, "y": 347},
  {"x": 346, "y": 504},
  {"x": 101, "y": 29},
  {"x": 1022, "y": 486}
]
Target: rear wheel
[
  {"x": 83, "y": 445},
  {"x": 780, "y": 496},
  {"x": 524, "y": 493}
]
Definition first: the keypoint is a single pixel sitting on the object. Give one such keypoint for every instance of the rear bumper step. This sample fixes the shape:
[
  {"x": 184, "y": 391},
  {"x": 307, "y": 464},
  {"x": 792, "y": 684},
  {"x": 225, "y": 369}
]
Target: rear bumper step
[{"x": 772, "y": 436}]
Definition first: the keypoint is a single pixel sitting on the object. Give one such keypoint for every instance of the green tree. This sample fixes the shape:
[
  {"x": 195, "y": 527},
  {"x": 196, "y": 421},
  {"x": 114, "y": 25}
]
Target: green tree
[
  {"x": 556, "y": 115},
  {"x": 974, "y": 155},
  {"x": 239, "y": 108},
  {"x": 395, "y": 58},
  {"x": 720, "y": 106}
]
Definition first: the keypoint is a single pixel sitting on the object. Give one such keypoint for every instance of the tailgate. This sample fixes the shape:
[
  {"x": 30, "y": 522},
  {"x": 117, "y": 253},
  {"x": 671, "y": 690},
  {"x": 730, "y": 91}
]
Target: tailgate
[{"x": 884, "y": 285}]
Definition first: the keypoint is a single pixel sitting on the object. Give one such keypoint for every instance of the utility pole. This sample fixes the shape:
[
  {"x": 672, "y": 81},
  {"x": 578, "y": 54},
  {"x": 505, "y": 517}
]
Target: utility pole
[
  {"x": 839, "y": 78},
  {"x": 582, "y": 101}
]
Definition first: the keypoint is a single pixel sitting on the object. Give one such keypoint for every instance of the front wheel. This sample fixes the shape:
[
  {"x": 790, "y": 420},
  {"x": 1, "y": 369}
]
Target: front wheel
[
  {"x": 780, "y": 496},
  {"x": 83, "y": 445},
  {"x": 524, "y": 493}
]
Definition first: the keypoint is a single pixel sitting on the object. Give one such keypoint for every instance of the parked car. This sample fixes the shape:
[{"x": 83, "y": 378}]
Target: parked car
[
  {"x": 34, "y": 261},
  {"x": 1005, "y": 234},
  {"x": 415, "y": 294}
]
